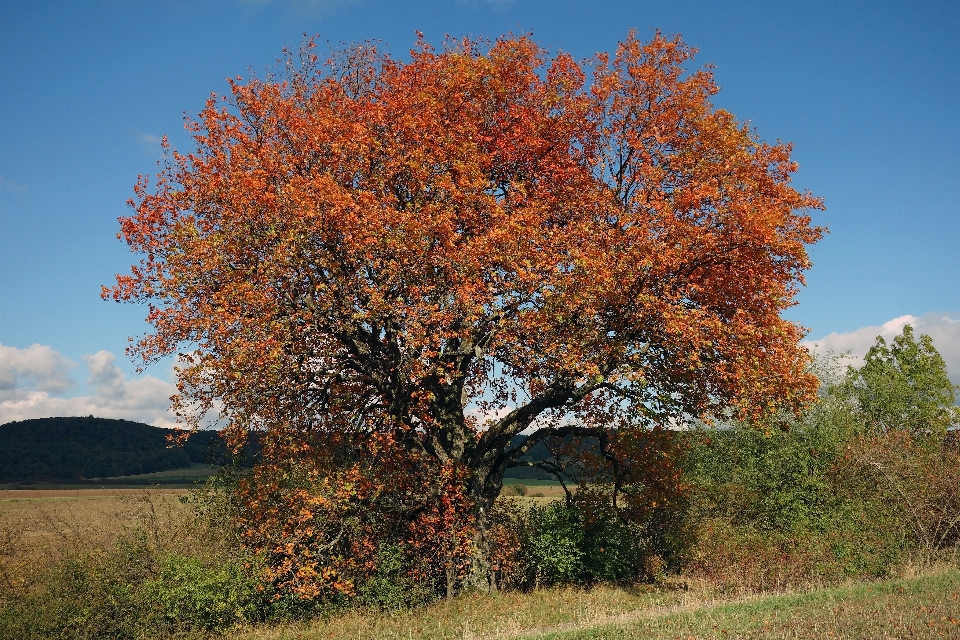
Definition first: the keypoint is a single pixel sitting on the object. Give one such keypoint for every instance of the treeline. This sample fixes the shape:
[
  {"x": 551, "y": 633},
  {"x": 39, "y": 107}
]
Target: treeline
[
  {"x": 79, "y": 449},
  {"x": 84, "y": 448}
]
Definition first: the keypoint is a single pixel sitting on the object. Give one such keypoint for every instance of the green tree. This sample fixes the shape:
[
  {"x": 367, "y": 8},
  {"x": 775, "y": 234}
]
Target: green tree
[{"x": 904, "y": 385}]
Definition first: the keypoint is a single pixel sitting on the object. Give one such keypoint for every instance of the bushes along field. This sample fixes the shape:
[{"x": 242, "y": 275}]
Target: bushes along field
[{"x": 831, "y": 498}]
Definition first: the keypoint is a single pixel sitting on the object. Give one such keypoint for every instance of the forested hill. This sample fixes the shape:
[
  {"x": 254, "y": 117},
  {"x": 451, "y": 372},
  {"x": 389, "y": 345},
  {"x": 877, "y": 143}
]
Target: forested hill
[
  {"x": 58, "y": 449},
  {"x": 85, "y": 448}
]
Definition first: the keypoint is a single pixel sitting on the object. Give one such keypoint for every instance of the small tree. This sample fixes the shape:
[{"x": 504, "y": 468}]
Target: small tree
[
  {"x": 473, "y": 244},
  {"x": 904, "y": 386}
]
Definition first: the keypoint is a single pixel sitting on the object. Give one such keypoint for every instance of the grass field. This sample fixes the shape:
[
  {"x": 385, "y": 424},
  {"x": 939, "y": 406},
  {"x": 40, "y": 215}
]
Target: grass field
[
  {"x": 187, "y": 477},
  {"x": 195, "y": 471},
  {"x": 35, "y": 523},
  {"x": 182, "y": 478},
  {"x": 924, "y": 606}
]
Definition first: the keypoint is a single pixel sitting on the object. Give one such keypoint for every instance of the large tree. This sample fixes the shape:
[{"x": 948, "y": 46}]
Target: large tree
[{"x": 479, "y": 242}]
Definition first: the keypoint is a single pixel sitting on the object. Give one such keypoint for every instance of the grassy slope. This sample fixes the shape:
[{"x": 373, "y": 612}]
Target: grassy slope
[{"x": 923, "y": 607}]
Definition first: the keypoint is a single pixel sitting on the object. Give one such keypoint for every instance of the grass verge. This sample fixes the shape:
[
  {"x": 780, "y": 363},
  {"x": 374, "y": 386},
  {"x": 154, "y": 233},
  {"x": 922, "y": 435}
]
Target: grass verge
[{"x": 926, "y": 606}]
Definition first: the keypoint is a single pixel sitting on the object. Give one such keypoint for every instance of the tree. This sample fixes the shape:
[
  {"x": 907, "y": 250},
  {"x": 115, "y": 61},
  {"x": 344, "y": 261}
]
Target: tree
[
  {"x": 904, "y": 386},
  {"x": 448, "y": 252}
]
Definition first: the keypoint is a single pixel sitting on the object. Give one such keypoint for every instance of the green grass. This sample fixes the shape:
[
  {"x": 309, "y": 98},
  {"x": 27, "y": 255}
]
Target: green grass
[
  {"x": 195, "y": 471},
  {"x": 533, "y": 483},
  {"x": 183, "y": 477},
  {"x": 924, "y": 607}
]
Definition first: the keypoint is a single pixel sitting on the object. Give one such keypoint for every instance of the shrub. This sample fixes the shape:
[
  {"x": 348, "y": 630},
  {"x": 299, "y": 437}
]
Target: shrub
[
  {"x": 775, "y": 481},
  {"x": 162, "y": 576},
  {"x": 510, "y": 560},
  {"x": 820, "y": 502},
  {"x": 393, "y": 585},
  {"x": 186, "y": 594},
  {"x": 915, "y": 481},
  {"x": 555, "y": 544},
  {"x": 581, "y": 542}
]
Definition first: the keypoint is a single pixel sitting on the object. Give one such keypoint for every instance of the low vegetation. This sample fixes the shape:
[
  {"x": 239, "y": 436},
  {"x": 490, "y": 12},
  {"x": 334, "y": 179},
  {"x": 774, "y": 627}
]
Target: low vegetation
[
  {"x": 134, "y": 565},
  {"x": 827, "y": 522}
]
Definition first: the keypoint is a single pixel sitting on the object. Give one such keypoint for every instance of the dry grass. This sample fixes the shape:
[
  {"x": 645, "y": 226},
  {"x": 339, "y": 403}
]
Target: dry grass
[
  {"x": 500, "y": 615},
  {"x": 35, "y": 524},
  {"x": 534, "y": 491},
  {"x": 922, "y": 607},
  {"x": 926, "y": 606}
]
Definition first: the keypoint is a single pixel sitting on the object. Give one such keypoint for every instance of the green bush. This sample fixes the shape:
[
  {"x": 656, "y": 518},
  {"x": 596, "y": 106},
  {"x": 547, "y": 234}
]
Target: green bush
[
  {"x": 555, "y": 543},
  {"x": 392, "y": 586},
  {"x": 117, "y": 594},
  {"x": 583, "y": 542},
  {"x": 828, "y": 498},
  {"x": 165, "y": 575},
  {"x": 777, "y": 481},
  {"x": 187, "y": 594}
]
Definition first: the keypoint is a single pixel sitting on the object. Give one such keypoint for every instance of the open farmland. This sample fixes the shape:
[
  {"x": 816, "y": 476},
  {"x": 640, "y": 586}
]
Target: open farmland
[{"x": 41, "y": 523}]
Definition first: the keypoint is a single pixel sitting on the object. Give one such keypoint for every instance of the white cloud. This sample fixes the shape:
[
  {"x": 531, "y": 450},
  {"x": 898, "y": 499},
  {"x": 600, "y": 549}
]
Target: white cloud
[
  {"x": 38, "y": 366},
  {"x": 486, "y": 418},
  {"x": 149, "y": 143},
  {"x": 148, "y": 139},
  {"x": 943, "y": 328},
  {"x": 32, "y": 379}
]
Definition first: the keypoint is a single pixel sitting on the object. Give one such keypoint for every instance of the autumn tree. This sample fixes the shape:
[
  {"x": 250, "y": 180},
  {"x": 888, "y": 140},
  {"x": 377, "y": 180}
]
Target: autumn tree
[{"x": 479, "y": 242}]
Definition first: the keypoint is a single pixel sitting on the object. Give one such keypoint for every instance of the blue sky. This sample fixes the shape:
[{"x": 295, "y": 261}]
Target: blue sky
[{"x": 869, "y": 92}]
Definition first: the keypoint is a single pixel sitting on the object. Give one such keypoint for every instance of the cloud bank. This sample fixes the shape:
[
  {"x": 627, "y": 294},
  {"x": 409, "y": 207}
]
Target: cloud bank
[
  {"x": 944, "y": 328},
  {"x": 34, "y": 380}
]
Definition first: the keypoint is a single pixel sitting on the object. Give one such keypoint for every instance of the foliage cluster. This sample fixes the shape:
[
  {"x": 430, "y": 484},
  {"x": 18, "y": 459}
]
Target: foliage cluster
[
  {"x": 867, "y": 479},
  {"x": 393, "y": 268},
  {"x": 904, "y": 386}
]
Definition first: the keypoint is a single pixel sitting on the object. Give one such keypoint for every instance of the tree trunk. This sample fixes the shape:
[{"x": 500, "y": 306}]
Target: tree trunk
[
  {"x": 483, "y": 490},
  {"x": 481, "y": 573}
]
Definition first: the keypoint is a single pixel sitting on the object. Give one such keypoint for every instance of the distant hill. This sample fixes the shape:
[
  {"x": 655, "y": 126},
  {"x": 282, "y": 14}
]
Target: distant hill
[
  {"x": 86, "y": 448},
  {"x": 537, "y": 453},
  {"x": 71, "y": 449}
]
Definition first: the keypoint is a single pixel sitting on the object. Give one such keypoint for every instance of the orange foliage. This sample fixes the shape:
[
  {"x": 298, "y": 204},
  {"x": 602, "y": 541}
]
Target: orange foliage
[{"x": 451, "y": 250}]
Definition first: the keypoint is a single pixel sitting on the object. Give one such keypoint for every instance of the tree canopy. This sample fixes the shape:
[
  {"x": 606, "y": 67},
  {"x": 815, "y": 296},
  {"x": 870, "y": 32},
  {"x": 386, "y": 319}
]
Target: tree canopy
[
  {"x": 482, "y": 241},
  {"x": 904, "y": 386}
]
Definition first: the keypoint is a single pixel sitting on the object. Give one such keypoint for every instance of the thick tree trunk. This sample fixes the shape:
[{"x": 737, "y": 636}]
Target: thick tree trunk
[
  {"x": 481, "y": 571},
  {"x": 483, "y": 490}
]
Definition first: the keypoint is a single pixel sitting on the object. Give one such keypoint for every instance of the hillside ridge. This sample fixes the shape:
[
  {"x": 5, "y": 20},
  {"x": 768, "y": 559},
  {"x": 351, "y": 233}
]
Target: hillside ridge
[{"x": 84, "y": 448}]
